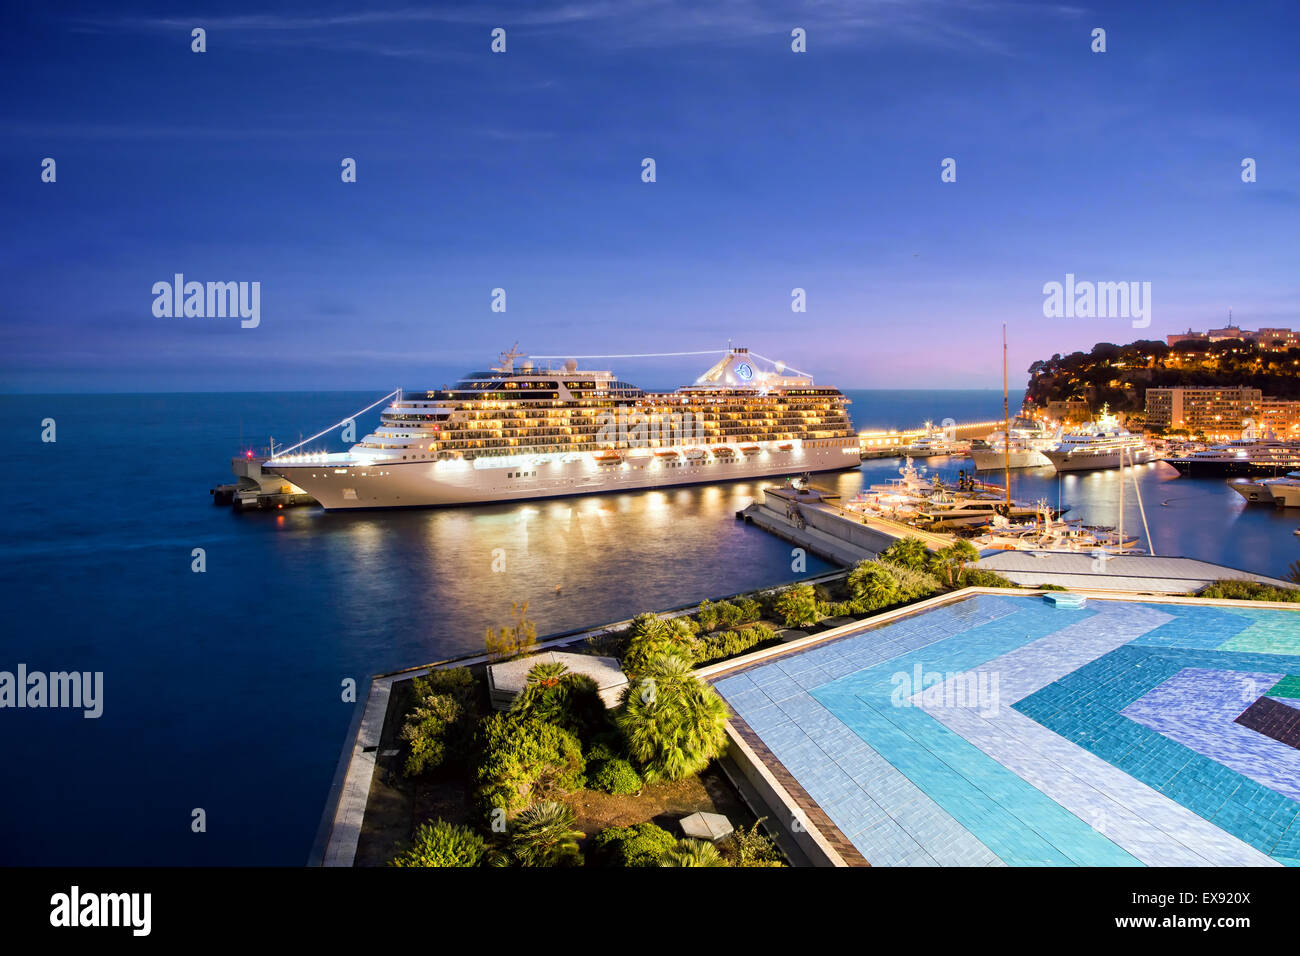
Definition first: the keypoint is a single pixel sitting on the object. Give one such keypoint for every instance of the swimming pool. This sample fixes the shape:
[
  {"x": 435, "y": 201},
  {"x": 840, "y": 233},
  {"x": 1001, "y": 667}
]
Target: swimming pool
[{"x": 1000, "y": 730}]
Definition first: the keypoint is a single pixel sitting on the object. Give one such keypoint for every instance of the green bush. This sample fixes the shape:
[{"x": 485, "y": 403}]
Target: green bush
[
  {"x": 614, "y": 776},
  {"x": 674, "y": 723},
  {"x": 692, "y": 853},
  {"x": 557, "y": 696},
  {"x": 439, "y": 727},
  {"x": 979, "y": 578},
  {"x": 796, "y": 606},
  {"x": 525, "y": 760},
  {"x": 641, "y": 844},
  {"x": 442, "y": 844},
  {"x": 1234, "y": 590},
  {"x": 907, "y": 552},
  {"x": 722, "y": 644},
  {"x": 914, "y": 584},
  {"x": 652, "y": 636},
  {"x": 543, "y": 835},
  {"x": 427, "y": 731},
  {"x": 874, "y": 585},
  {"x": 751, "y": 848}
]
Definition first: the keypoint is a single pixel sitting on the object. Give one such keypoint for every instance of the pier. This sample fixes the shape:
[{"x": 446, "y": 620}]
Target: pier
[
  {"x": 812, "y": 519},
  {"x": 892, "y": 443}
]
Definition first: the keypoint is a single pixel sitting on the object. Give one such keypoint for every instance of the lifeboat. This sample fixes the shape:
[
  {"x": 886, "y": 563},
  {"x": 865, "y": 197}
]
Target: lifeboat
[
  {"x": 608, "y": 457},
  {"x": 667, "y": 454},
  {"x": 749, "y": 449},
  {"x": 724, "y": 451},
  {"x": 696, "y": 454},
  {"x": 785, "y": 446}
]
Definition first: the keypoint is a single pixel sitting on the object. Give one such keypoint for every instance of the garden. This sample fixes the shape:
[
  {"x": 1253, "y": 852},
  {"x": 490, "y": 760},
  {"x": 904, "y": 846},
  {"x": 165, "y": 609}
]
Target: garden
[{"x": 559, "y": 779}]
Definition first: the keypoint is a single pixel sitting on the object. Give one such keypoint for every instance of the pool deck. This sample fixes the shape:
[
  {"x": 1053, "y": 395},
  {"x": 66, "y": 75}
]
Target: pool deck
[{"x": 987, "y": 728}]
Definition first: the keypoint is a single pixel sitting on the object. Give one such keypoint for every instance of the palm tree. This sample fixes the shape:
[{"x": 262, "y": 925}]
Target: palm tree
[
  {"x": 674, "y": 723},
  {"x": 874, "y": 585},
  {"x": 692, "y": 853},
  {"x": 1293, "y": 572},
  {"x": 543, "y": 835},
  {"x": 910, "y": 552},
  {"x": 953, "y": 559}
]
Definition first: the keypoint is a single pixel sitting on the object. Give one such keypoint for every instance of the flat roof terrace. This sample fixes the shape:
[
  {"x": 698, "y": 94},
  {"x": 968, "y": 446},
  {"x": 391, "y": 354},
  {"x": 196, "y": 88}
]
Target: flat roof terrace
[{"x": 1000, "y": 730}]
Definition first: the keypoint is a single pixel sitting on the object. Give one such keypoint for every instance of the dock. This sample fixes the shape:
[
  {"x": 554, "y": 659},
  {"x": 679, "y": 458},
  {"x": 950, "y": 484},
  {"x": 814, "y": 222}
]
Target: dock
[
  {"x": 257, "y": 490},
  {"x": 813, "y": 519}
]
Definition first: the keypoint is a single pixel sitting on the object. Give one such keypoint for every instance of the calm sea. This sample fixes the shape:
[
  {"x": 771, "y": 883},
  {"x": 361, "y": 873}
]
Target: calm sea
[{"x": 223, "y": 689}]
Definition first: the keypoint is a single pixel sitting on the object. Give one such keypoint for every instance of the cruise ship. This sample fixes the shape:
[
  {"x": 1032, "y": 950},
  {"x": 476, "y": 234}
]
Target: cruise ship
[
  {"x": 1029, "y": 440},
  {"x": 1099, "y": 445},
  {"x": 519, "y": 432}
]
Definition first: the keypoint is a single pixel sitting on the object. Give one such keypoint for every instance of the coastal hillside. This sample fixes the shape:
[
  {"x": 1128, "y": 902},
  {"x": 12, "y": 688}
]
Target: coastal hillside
[{"x": 1120, "y": 374}]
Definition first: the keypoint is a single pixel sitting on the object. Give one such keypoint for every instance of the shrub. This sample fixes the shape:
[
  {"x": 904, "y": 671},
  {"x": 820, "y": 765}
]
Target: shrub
[
  {"x": 426, "y": 732},
  {"x": 674, "y": 723},
  {"x": 874, "y": 586},
  {"x": 1051, "y": 587},
  {"x": 543, "y": 835},
  {"x": 751, "y": 848},
  {"x": 652, "y": 636},
  {"x": 729, "y": 643},
  {"x": 979, "y": 578},
  {"x": 641, "y": 844},
  {"x": 615, "y": 776},
  {"x": 707, "y": 616},
  {"x": 1229, "y": 589},
  {"x": 514, "y": 639},
  {"x": 442, "y": 844},
  {"x": 907, "y": 552},
  {"x": 555, "y": 695},
  {"x": 525, "y": 760},
  {"x": 438, "y": 728},
  {"x": 914, "y": 584},
  {"x": 796, "y": 605},
  {"x": 692, "y": 853}
]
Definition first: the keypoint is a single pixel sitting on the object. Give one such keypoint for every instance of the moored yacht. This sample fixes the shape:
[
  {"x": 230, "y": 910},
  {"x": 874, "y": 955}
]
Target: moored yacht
[
  {"x": 519, "y": 432},
  {"x": 1102, "y": 444},
  {"x": 1283, "y": 492},
  {"x": 1029, "y": 440}
]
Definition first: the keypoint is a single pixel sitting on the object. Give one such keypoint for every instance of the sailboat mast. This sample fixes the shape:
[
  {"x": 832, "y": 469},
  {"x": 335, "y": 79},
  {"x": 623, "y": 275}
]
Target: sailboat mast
[
  {"x": 1120, "y": 542},
  {"x": 1006, "y": 416}
]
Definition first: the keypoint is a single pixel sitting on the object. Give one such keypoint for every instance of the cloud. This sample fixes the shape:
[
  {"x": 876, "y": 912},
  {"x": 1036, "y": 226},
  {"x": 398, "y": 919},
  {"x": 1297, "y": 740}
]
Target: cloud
[{"x": 616, "y": 24}]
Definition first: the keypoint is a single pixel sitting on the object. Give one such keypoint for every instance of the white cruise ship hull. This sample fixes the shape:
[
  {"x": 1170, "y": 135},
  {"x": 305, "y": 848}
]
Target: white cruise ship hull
[
  {"x": 994, "y": 459},
  {"x": 340, "y": 484},
  {"x": 1085, "y": 459}
]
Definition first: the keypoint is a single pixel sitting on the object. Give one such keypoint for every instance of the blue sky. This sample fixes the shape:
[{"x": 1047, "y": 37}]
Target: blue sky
[{"x": 522, "y": 171}]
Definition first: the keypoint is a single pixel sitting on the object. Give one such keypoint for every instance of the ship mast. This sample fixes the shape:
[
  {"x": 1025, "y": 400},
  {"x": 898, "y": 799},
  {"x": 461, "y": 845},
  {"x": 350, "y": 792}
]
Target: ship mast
[{"x": 1006, "y": 415}]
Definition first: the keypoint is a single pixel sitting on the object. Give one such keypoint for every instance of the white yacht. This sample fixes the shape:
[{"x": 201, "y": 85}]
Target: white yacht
[
  {"x": 519, "y": 432},
  {"x": 1099, "y": 445},
  {"x": 1282, "y": 492},
  {"x": 1029, "y": 440}
]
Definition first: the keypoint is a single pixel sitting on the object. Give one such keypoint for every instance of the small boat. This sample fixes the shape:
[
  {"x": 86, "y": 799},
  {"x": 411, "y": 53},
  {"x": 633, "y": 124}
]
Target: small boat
[
  {"x": 749, "y": 449},
  {"x": 724, "y": 451},
  {"x": 785, "y": 446},
  {"x": 608, "y": 457},
  {"x": 667, "y": 454}
]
